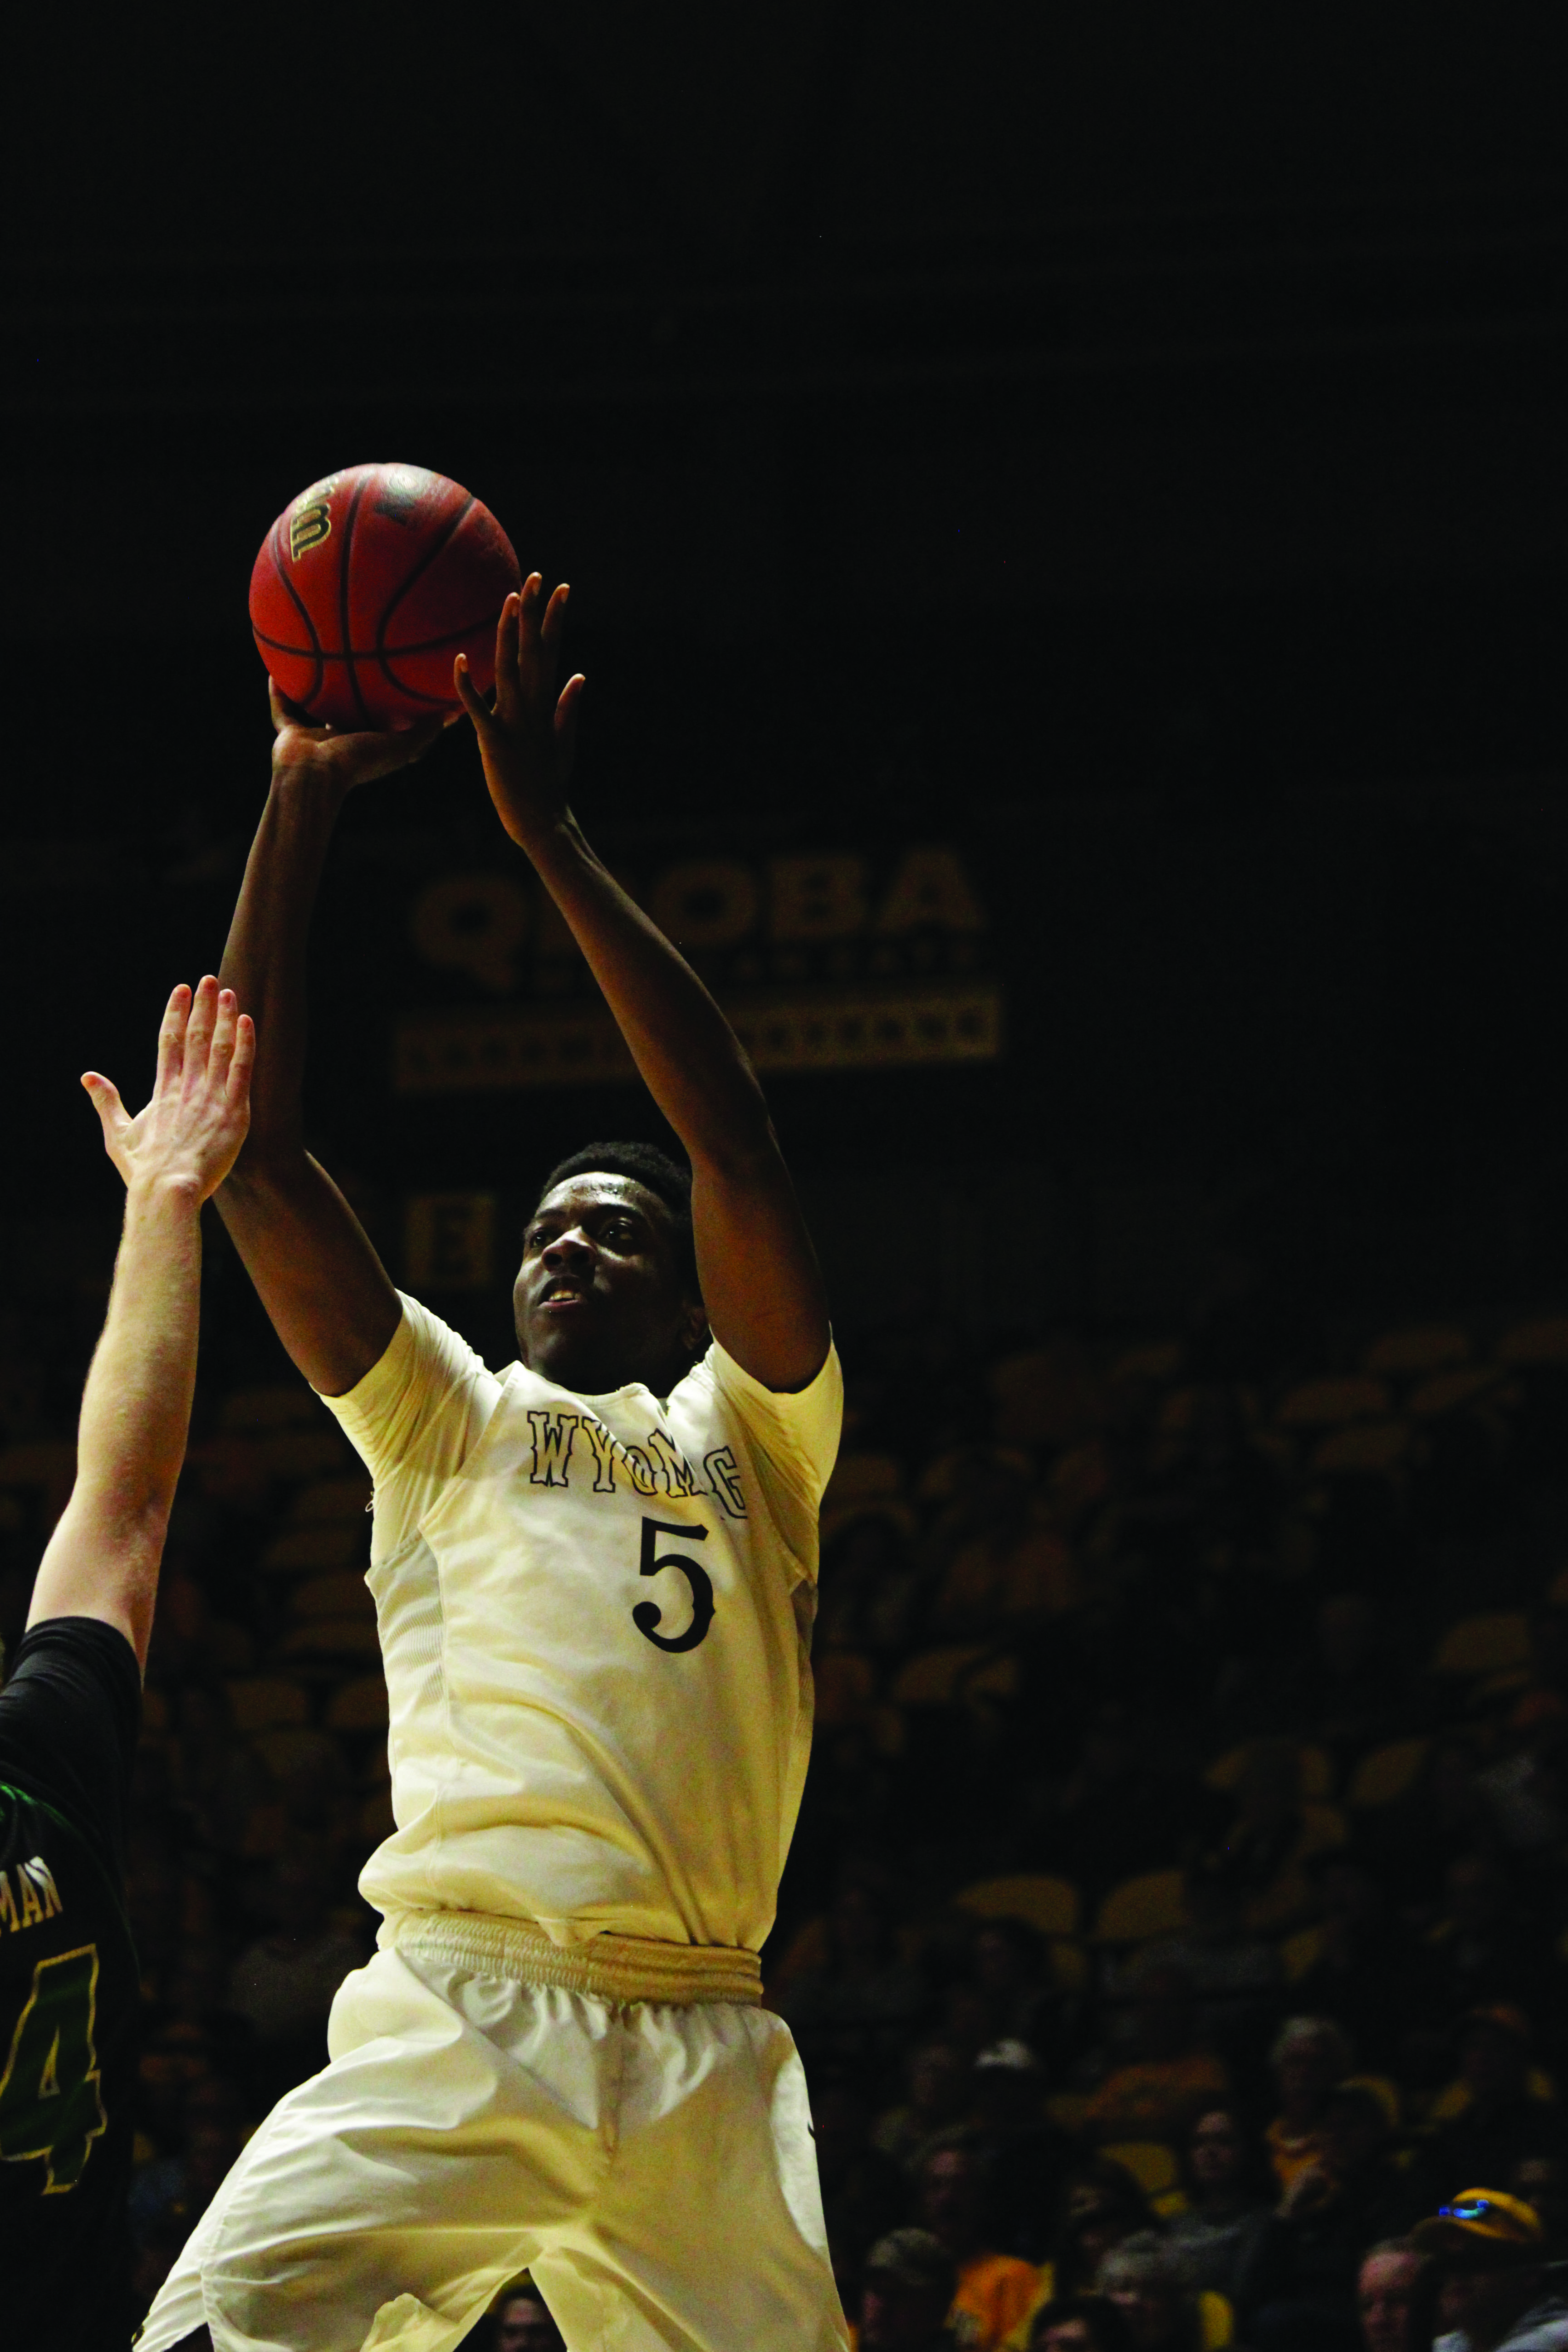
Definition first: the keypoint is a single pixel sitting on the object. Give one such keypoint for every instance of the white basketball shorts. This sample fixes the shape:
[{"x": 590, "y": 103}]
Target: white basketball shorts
[{"x": 651, "y": 2164}]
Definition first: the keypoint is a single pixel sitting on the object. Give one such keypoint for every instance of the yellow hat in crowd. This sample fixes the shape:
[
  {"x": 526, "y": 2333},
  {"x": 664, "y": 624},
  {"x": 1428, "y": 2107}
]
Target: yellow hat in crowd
[{"x": 1483, "y": 2229}]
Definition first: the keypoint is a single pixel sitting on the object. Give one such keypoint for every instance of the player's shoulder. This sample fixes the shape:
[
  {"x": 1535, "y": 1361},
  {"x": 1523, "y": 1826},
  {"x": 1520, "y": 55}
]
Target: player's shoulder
[{"x": 796, "y": 1429}]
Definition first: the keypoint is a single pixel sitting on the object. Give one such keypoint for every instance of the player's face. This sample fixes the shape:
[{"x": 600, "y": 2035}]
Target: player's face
[
  {"x": 600, "y": 1299},
  {"x": 525, "y": 2325}
]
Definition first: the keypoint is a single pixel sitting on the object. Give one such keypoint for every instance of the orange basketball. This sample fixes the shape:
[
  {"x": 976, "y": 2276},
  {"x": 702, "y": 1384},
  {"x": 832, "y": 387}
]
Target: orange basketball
[{"x": 366, "y": 587}]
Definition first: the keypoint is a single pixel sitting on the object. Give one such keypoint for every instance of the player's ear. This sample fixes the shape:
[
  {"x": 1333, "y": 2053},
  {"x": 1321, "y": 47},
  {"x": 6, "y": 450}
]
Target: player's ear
[{"x": 694, "y": 1332}]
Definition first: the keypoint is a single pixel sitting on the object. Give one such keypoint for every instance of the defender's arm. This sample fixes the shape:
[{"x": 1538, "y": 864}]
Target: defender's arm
[
  {"x": 760, "y": 1282},
  {"x": 102, "y": 1559}
]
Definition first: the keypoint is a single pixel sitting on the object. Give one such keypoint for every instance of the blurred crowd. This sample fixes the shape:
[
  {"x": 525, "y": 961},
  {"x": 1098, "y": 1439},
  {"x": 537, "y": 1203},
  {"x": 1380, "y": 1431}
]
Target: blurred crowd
[{"x": 1177, "y": 1918}]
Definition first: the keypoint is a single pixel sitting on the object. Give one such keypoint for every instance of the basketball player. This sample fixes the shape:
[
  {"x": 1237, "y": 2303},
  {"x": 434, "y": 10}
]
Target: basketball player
[
  {"x": 594, "y": 1576},
  {"x": 70, "y": 1713}
]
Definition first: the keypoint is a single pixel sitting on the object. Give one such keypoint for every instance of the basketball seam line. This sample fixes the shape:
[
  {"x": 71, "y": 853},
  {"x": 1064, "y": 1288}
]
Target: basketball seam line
[
  {"x": 368, "y": 653},
  {"x": 425, "y": 561},
  {"x": 349, "y": 522},
  {"x": 303, "y": 610}
]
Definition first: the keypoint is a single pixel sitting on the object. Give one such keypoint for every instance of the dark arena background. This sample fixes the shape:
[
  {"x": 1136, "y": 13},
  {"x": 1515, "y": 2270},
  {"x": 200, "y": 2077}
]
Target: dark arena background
[{"x": 1068, "y": 522}]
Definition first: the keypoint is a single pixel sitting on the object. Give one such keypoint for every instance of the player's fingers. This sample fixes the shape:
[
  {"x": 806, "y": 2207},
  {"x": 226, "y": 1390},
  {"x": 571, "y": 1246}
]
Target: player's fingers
[
  {"x": 554, "y": 619},
  {"x": 171, "y": 1037},
  {"x": 468, "y": 694},
  {"x": 509, "y": 632},
  {"x": 567, "y": 719}
]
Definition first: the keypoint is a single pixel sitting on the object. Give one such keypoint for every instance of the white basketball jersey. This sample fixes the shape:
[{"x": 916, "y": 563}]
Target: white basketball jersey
[{"x": 595, "y": 1617}]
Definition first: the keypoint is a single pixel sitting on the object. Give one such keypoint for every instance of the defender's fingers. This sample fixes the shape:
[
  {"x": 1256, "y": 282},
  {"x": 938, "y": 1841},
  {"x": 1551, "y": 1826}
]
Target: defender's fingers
[
  {"x": 200, "y": 1027},
  {"x": 224, "y": 1021},
  {"x": 242, "y": 1061},
  {"x": 171, "y": 1037},
  {"x": 104, "y": 1097}
]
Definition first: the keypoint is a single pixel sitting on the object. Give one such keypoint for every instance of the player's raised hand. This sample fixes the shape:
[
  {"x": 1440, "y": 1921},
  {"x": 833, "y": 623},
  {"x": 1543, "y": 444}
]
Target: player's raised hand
[
  {"x": 348, "y": 757},
  {"x": 190, "y": 1132},
  {"x": 526, "y": 742}
]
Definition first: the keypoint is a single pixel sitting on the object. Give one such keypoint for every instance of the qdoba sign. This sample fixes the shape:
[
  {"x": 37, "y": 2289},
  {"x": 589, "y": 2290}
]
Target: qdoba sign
[{"x": 837, "y": 960}]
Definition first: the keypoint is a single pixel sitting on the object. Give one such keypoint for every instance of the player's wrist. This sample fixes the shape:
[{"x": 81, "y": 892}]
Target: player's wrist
[{"x": 171, "y": 1189}]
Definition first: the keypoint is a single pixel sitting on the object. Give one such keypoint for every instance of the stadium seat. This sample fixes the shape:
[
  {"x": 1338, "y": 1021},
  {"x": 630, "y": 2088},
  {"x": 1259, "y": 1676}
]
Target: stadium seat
[
  {"x": 1153, "y": 1903},
  {"x": 1052, "y": 1905},
  {"x": 1385, "y": 1774},
  {"x": 950, "y": 1676},
  {"x": 1492, "y": 1643},
  {"x": 1298, "y": 1952},
  {"x": 1154, "y": 2167},
  {"x": 1315, "y": 1765},
  {"x": 1541, "y": 1341},
  {"x": 358, "y": 1705},
  {"x": 1372, "y": 1447},
  {"x": 1426, "y": 1347},
  {"x": 1329, "y": 1403},
  {"x": 263, "y": 1702}
]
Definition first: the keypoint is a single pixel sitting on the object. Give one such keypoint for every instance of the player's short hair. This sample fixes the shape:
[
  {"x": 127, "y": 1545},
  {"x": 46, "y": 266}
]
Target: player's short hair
[{"x": 655, "y": 1171}]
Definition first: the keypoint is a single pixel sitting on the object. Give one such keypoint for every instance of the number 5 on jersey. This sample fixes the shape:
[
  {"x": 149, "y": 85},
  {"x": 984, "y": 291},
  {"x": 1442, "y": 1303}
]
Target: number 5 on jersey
[
  {"x": 647, "y": 1616},
  {"x": 49, "y": 2103}
]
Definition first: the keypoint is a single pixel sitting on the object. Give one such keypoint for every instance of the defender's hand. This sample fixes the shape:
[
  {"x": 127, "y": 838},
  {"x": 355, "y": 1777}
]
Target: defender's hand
[
  {"x": 190, "y": 1132},
  {"x": 526, "y": 742},
  {"x": 348, "y": 759}
]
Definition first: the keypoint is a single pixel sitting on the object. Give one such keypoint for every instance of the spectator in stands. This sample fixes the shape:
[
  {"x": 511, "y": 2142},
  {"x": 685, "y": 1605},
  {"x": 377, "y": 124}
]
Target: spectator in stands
[
  {"x": 1079, "y": 2323},
  {"x": 1309, "y": 2056},
  {"x": 1441, "y": 1818},
  {"x": 1027, "y": 2158},
  {"x": 1502, "y": 2121},
  {"x": 1298, "y": 2284},
  {"x": 1495, "y": 2296},
  {"x": 283, "y": 1983},
  {"x": 1228, "y": 2183},
  {"x": 1103, "y": 2205},
  {"x": 1396, "y": 2294},
  {"x": 1347, "y": 1695},
  {"x": 1145, "y": 2279},
  {"x": 939, "y": 2094},
  {"x": 521, "y": 2322},
  {"x": 1170, "y": 2076},
  {"x": 911, "y": 2279},
  {"x": 1368, "y": 1973},
  {"x": 995, "y": 2291},
  {"x": 860, "y": 2004}
]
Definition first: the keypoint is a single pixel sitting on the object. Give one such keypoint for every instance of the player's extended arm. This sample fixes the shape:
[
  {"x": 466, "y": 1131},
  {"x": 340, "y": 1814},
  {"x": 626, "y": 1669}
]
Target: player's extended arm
[
  {"x": 760, "y": 1282},
  {"x": 103, "y": 1558},
  {"x": 312, "y": 1261}
]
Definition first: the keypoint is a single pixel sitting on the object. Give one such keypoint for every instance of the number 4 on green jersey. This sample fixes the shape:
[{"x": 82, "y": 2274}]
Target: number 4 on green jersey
[{"x": 49, "y": 2103}]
